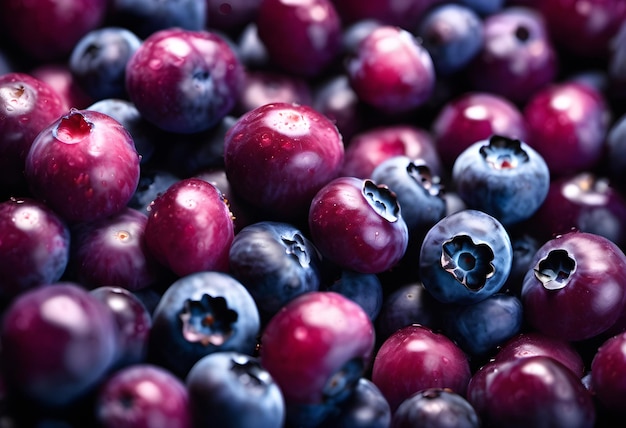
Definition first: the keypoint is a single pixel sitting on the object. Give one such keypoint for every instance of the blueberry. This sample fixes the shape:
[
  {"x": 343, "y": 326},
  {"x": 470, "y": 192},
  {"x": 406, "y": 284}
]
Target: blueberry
[
  {"x": 503, "y": 177},
  {"x": 365, "y": 408},
  {"x": 276, "y": 262},
  {"x": 418, "y": 189},
  {"x": 465, "y": 257},
  {"x": 98, "y": 61},
  {"x": 406, "y": 305},
  {"x": 199, "y": 314},
  {"x": 484, "y": 7},
  {"x": 436, "y": 408},
  {"x": 453, "y": 35},
  {"x": 145, "y": 17},
  {"x": 143, "y": 132},
  {"x": 480, "y": 327},
  {"x": 364, "y": 288},
  {"x": 152, "y": 183},
  {"x": 231, "y": 389}
]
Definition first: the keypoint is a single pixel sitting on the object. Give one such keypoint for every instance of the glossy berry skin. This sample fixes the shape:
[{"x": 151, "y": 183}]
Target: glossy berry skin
[
  {"x": 84, "y": 165},
  {"x": 453, "y": 35},
  {"x": 583, "y": 201},
  {"x": 112, "y": 252},
  {"x": 189, "y": 228},
  {"x": 60, "y": 77},
  {"x": 532, "y": 343},
  {"x": 59, "y": 342},
  {"x": 406, "y": 305},
  {"x": 370, "y": 147},
  {"x": 279, "y": 155},
  {"x": 503, "y": 177},
  {"x": 145, "y": 17},
  {"x": 262, "y": 87},
  {"x": 366, "y": 407},
  {"x": 415, "y": 358},
  {"x": 27, "y": 106},
  {"x": 533, "y": 391},
  {"x": 98, "y": 61},
  {"x": 567, "y": 124},
  {"x": 418, "y": 189},
  {"x": 391, "y": 70},
  {"x": 358, "y": 225},
  {"x": 364, "y": 288},
  {"x": 199, "y": 314},
  {"x": 134, "y": 397},
  {"x": 474, "y": 116},
  {"x": 35, "y": 246},
  {"x": 241, "y": 213},
  {"x": 58, "y": 28},
  {"x": 133, "y": 322},
  {"x": 231, "y": 389},
  {"x": 465, "y": 257},
  {"x": 301, "y": 37},
  {"x": 517, "y": 57},
  {"x": 573, "y": 274},
  {"x": 145, "y": 135},
  {"x": 484, "y": 7},
  {"x": 607, "y": 374},
  {"x": 152, "y": 183},
  {"x": 593, "y": 24},
  {"x": 435, "y": 408},
  {"x": 276, "y": 262},
  {"x": 184, "y": 81},
  {"x": 615, "y": 151},
  {"x": 481, "y": 327},
  {"x": 317, "y": 347}
]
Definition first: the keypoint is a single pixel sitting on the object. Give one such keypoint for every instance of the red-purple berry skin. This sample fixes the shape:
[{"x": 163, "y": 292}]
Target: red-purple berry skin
[
  {"x": 533, "y": 391},
  {"x": 518, "y": 56},
  {"x": 279, "y": 155},
  {"x": 27, "y": 106},
  {"x": 414, "y": 358},
  {"x": 567, "y": 124},
  {"x": 47, "y": 30},
  {"x": 608, "y": 374},
  {"x": 532, "y": 343},
  {"x": 474, "y": 116},
  {"x": 583, "y": 29},
  {"x": 391, "y": 71},
  {"x": 112, "y": 252},
  {"x": 84, "y": 166},
  {"x": 35, "y": 245},
  {"x": 59, "y": 342},
  {"x": 140, "y": 396},
  {"x": 370, "y": 147},
  {"x": 302, "y": 37},
  {"x": 310, "y": 340},
  {"x": 184, "y": 81},
  {"x": 358, "y": 225},
  {"x": 573, "y": 274},
  {"x": 190, "y": 228}
]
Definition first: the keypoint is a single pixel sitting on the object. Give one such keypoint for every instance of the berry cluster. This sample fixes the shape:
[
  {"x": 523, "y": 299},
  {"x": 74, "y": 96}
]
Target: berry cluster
[{"x": 312, "y": 213}]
